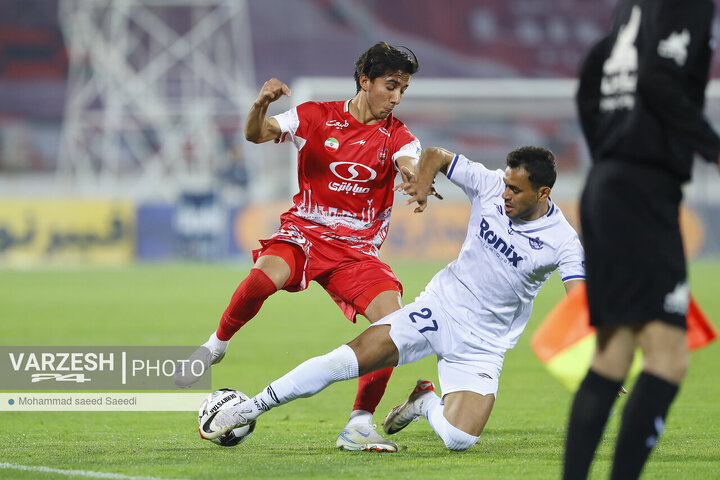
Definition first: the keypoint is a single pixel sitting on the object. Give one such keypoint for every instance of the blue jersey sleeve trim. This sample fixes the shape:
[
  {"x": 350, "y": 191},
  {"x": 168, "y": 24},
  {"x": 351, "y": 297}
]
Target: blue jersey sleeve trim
[
  {"x": 572, "y": 277},
  {"x": 452, "y": 166}
]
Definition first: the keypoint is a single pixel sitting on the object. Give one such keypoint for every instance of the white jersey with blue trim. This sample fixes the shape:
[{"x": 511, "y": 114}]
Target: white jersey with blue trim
[{"x": 489, "y": 289}]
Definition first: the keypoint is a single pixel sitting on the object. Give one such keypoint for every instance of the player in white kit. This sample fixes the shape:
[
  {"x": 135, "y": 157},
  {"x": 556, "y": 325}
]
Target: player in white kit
[{"x": 470, "y": 313}]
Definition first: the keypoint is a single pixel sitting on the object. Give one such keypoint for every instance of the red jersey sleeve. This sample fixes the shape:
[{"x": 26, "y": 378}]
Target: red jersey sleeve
[{"x": 404, "y": 143}]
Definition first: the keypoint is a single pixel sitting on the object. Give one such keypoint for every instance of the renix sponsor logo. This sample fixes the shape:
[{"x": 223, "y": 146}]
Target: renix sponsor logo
[{"x": 493, "y": 240}]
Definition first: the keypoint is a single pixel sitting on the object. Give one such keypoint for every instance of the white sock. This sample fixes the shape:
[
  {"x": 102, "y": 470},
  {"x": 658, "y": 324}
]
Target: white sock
[
  {"x": 215, "y": 344},
  {"x": 305, "y": 380},
  {"x": 360, "y": 417},
  {"x": 430, "y": 400},
  {"x": 454, "y": 438}
]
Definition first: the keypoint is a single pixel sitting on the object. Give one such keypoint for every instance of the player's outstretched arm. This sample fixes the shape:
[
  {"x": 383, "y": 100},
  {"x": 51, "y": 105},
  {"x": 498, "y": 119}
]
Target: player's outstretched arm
[
  {"x": 572, "y": 284},
  {"x": 419, "y": 186},
  {"x": 259, "y": 128},
  {"x": 408, "y": 167}
]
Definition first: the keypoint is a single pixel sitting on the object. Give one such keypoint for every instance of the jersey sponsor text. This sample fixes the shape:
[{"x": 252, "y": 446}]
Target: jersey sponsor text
[
  {"x": 493, "y": 240},
  {"x": 348, "y": 187}
]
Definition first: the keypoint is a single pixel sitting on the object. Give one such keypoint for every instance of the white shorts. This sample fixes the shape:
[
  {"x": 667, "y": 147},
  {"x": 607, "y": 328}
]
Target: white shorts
[{"x": 465, "y": 362}]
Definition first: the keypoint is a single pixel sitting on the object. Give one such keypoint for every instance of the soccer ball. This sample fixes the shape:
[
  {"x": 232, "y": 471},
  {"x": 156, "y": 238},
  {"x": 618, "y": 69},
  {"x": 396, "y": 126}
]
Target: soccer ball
[{"x": 219, "y": 400}]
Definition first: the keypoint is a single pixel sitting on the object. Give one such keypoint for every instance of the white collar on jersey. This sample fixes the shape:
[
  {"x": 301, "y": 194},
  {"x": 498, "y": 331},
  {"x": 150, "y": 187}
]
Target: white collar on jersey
[{"x": 536, "y": 225}]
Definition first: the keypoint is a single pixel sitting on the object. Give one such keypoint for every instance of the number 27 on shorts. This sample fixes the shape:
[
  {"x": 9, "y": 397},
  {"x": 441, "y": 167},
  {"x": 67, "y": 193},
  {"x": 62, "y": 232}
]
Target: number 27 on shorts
[{"x": 423, "y": 317}]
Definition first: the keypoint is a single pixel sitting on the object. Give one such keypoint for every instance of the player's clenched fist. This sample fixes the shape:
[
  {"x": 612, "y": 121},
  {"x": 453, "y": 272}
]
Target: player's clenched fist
[{"x": 271, "y": 91}]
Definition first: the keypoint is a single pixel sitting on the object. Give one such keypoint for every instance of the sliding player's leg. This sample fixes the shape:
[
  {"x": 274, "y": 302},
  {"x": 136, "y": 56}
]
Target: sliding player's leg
[
  {"x": 373, "y": 349},
  {"x": 469, "y": 388}
]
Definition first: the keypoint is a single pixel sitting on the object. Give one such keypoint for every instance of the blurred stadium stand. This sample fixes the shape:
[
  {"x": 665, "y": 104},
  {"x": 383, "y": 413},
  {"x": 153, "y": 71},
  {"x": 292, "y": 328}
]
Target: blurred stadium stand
[{"x": 296, "y": 41}]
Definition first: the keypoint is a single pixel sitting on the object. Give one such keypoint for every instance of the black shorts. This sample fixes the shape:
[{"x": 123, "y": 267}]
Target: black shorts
[{"x": 635, "y": 264}]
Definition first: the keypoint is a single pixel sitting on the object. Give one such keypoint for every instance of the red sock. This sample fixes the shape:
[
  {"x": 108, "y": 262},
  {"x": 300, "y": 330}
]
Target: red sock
[
  {"x": 371, "y": 388},
  {"x": 246, "y": 302}
]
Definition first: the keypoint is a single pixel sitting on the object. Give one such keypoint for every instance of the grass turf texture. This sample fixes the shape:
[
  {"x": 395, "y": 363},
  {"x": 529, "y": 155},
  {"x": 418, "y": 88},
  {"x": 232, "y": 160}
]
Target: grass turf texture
[{"x": 180, "y": 305}]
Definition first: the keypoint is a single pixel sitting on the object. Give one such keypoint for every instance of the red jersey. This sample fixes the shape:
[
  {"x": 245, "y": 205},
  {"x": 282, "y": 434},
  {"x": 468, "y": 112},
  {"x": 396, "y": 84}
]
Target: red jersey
[{"x": 346, "y": 171}]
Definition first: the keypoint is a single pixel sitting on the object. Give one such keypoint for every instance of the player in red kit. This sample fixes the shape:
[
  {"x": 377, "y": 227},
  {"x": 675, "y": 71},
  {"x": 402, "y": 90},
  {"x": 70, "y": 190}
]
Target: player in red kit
[{"x": 348, "y": 155}]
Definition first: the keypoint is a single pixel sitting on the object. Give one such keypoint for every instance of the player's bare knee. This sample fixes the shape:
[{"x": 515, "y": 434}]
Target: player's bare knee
[
  {"x": 614, "y": 353},
  {"x": 374, "y": 349},
  {"x": 276, "y": 269},
  {"x": 612, "y": 368},
  {"x": 670, "y": 365},
  {"x": 665, "y": 351},
  {"x": 383, "y": 305}
]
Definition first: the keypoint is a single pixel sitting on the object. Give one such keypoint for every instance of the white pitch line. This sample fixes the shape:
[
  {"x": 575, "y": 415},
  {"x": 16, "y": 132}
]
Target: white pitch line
[{"x": 77, "y": 473}]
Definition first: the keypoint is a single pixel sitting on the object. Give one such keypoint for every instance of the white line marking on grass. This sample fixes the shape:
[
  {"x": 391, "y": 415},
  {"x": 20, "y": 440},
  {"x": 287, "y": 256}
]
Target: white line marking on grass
[{"x": 77, "y": 473}]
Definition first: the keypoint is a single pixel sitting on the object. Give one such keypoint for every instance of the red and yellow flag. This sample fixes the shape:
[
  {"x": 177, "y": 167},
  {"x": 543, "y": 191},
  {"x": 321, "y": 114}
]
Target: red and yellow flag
[{"x": 565, "y": 341}]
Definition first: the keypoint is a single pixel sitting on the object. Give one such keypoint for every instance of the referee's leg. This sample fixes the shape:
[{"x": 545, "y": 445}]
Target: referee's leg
[
  {"x": 613, "y": 356},
  {"x": 665, "y": 362}
]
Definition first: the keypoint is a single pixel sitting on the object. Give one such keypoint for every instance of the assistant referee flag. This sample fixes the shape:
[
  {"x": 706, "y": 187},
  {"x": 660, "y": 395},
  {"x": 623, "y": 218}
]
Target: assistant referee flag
[{"x": 564, "y": 342}]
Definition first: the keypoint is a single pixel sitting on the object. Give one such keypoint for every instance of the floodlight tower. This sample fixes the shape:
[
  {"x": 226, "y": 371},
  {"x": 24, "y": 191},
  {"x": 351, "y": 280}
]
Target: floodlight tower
[{"x": 157, "y": 90}]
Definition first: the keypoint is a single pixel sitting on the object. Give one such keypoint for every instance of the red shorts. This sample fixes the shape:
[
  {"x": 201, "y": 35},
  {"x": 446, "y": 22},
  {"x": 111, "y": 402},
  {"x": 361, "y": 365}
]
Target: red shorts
[{"x": 352, "y": 278}]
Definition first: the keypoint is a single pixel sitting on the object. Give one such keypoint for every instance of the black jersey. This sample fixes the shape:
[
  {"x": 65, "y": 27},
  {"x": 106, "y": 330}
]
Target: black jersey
[{"x": 642, "y": 87}]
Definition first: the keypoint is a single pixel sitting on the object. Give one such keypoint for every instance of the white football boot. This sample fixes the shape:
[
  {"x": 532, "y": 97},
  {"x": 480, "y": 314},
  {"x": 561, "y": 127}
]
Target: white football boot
[
  {"x": 218, "y": 423},
  {"x": 410, "y": 411},
  {"x": 207, "y": 354},
  {"x": 364, "y": 437}
]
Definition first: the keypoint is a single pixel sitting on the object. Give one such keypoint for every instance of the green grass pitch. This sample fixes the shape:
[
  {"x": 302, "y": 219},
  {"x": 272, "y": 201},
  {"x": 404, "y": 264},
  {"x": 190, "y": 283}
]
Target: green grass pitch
[{"x": 181, "y": 304}]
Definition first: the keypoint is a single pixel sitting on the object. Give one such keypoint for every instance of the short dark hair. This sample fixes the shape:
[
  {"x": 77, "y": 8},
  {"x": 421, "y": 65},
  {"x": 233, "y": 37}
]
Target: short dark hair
[
  {"x": 539, "y": 163},
  {"x": 382, "y": 59}
]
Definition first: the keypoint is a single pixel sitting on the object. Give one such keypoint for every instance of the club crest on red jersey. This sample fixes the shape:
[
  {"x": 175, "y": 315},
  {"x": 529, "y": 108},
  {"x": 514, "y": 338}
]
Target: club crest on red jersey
[{"x": 382, "y": 154}]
